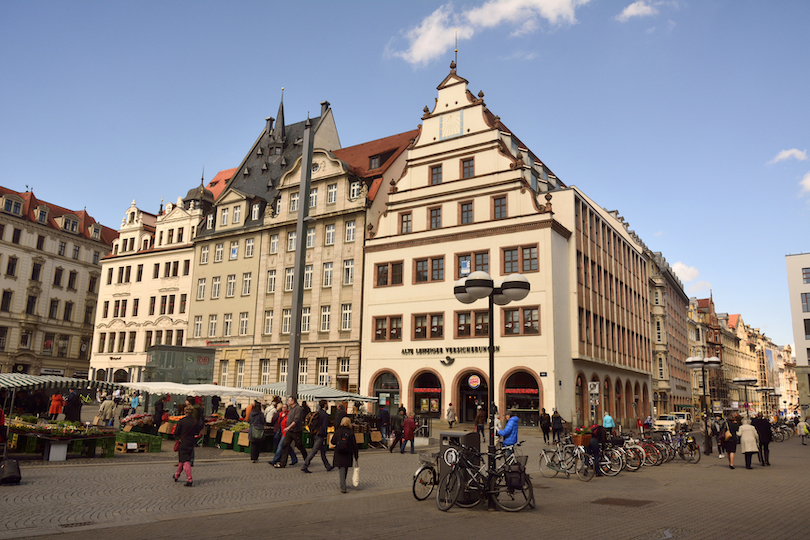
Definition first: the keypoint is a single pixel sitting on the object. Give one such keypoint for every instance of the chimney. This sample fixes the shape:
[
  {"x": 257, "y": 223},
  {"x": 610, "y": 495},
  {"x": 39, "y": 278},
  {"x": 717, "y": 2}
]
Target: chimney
[
  {"x": 324, "y": 107},
  {"x": 270, "y": 121}
]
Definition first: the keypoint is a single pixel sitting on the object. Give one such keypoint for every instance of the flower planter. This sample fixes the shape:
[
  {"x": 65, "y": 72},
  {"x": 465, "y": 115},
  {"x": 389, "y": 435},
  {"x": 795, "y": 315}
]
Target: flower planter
[{"x": 582, "y": 440}]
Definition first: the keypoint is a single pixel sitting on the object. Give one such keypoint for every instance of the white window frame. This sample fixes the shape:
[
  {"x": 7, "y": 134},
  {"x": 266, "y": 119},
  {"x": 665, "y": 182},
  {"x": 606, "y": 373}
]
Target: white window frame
[
  {"x": 354, "y": 190},
  {"x": 240, "y": 373},
  {"x": 247, "y": 279},
  {"x": 227, "y": 324},
  {"x": 282, "y": 370},
  {"x": 308, "y": 276},
  {"x": 310, "y": 237},
  {"x": 294, "y": 202},
  {"x": 255, "y": 211},
  {"x": 343, "y": 367},
  {"x": 243, "y": 323},
  {"x": 351, "y": 227},
  {"x": 218, "y": 250},
  {"x": 273, "y": 243},
  {"x": 237, "y": 213},
  {"x": 313, "y": 197},
  {"x": 224, "y": 217},
  {"x": 286, "y": 320},
  {"x": 326, "y": 317},
  {"x": 329, "y": 235},
  {"x": 249, "y": 247},
  {"x": 328, "y": 268},
  {"x": 271, "y": 281},
  {"x": 305, "y": 319},
  {"x": 289, "y": 279},
  {"x": 345, "y": 316},
  {"x": 331, "y": 194},
  {"x": 323, "y": 371},
  {"x": 215, "y": 281},
  {"x": 212, "y": 325},
  {"x": 348, "y": 272},
  {"x": 230, "y": 286},
  {"x": 264, "y": 366},
  {"x": 303, "y": 369},
  {"x": 268, "y": 322},
  {"x": 234, "y": 250},
  {"x": 197, "y": 326},
  {"x": 201, "y": 289},
  {"x": 223, "y": 376},
  {"x": 204, "y": 255},
  {"x": 291, "y": 237}
]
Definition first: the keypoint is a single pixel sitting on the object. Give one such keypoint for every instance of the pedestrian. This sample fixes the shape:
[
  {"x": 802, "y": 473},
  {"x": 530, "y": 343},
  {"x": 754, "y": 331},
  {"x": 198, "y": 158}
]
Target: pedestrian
[
  {"x": 306, "y": 409},
  {"x": 608, "y": 423},
  {"x": 732, "y": 426},
  {"x": 279, "y": 428},
  {"x": 803, "y": 429},
  {"x": 318, "y": 426},
  {"x": 545, "y": 425},
  {"x": 480, "y": 422},
  {"x": 185, "y": 432},
  {"x": 557, "y": 426},
  {"x": 345, "y": 449},
  {"x": 231, "y": 413},
  {"x": 256, "y": 431},
  {"x": 57, "y": 401},
  {"x": 73, "y": 407},
  {"x": 496, "y": 427},
  {"x": 133, "y": 403},
  {"x": 215, "y": 401},
  {"x": 451, "y": 415},
  {"x": 598, "y": 440},
  {"x": 117, "y": 396},
  {"x": 157, "y": 419},
  {"x": 396, "y": 428},
  {"x": 749, "y": 440},
  {"x": 408, "y": 430},
  {"x": 340, "y": 413},
  {"x": 719, "y": 427},
  {"x": 385, "y": 422},
  {"x": 763, "y": 428},
  {"x": 294, "y": 433},
  {"x": 107, "y": 411},
  {"x": 510, "y": 432}
]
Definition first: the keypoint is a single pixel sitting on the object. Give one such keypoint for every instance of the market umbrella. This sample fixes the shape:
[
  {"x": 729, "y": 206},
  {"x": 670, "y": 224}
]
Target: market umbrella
[
  {"x": 192, "y": 389},
  {"x": 311, "y": 392}
]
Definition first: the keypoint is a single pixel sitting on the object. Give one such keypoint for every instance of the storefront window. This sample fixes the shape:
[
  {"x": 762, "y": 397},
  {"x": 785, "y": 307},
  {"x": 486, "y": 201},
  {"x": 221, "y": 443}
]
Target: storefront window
[
  {"x": 386, "y": 390},
  {"x": 427, "y": 395},
  {"x": 523, "y": 396}
]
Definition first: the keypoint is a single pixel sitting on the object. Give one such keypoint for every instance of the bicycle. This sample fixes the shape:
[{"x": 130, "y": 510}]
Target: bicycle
[
  {"x": 509, "y": 487},
  {"x": 559, "y": 460},
  {"x": 425, "y": 477}
]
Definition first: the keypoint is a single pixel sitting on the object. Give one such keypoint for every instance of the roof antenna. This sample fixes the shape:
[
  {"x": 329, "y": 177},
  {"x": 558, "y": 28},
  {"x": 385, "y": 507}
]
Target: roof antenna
[{"x": 202, "y": 180}]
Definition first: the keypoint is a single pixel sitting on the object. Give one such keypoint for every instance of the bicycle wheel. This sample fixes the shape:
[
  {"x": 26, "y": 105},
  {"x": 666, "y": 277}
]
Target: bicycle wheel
[
  {"x": 511, "y": 499},
  {"x": 611, "y": 463},
  {"x": 691, "y": 453},
  {"x": 468, "y": 499},
  {"x": 549, "y": 464},
  {"x": 447, "y": 494},
  {"x": 632, "y": 459},
  {"x": 423, "y": 482},
  {"x": 584, "y": 467},
  {"x": 651, "y": 454}
]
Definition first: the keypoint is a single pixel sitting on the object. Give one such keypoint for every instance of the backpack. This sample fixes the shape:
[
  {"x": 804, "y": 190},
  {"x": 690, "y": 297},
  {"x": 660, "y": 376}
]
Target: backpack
[
  {"x": 343, "y": 443},
  {"x": 313, "y": 422}
]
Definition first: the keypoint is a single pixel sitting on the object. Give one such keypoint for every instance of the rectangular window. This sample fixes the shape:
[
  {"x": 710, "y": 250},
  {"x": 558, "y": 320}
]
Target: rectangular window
[
  {"x": 71, "y": 284},
  {"x": 807, "y": 329},
  {"x": 163, "y": 303},
  {"x": 467, "y": 263},
  {"x": 237, "y": 214},
  {"x": 131, "y": 345},
  {"x": 53, "y": 312},
  {"x": 105, "y": 310},
  {"x": 326, "y": 317},
  {"x": 224, "y": 217},
  {"x": 102, "y": 338},
  {"x": 327, "y": 274},
  {"x": 268, "y": 322},
  {"x": 431, "y": 269},
  {"x": 354, "y": 190},
  {"x": 121, "y": 273},
  {"x": 323, "y": 371},
  {"x": 135, "y": 302},
  {"x": 271, "y": 281},
  {"x": 183, "y": 302},
  {"x": 435, "y": 218},
  {"x": 170, "y": 236},
  {"x": 343, "y": 366},
  {"x": 345, "y": 316},
  {"x": 62, "y": 248},
  {"x": 36, "y": 270},
  {"x": 499, "y": 208},
  {"x": 303, "y": 368},
  {"x": 520, "y": 259},
  {"x": 481, "y": 324},
  {"x": 197, "y": 326},
  {"x": 5, "y": 305},
  {"x": 124, "y": 308},
  {"x": 201, "y": 289},
  {"x": 212, "y": 325},
  {"x": 308, "y": 276},
  {"x": 57, "y": 277},
  {"x": 234, "y": 249},
  {"x": 178, "y": 339},
  {"x": 435, "y": 175},
  {"x": 156, "y": 271},
  {"x": 264, "y": 367},
  {"x": 227, "y": 323},
  {"x": 255, "y": 211},
  {"x": 428, "y": 326},
  {"x": 806, "y": 302},
  {"x": 289, "y": 279},
  {"x": 218, "y": 250},
  {"x": 139, "y": 273},
  {"x": 521, "y": 321},
  {"x": 350, "y": 230},
  {"x": 291, "y": 241},
  {"x": 286, "y": 320},
  {"x": 806, "y": 275},
  {"x": 223, "y": 373},
  {"x": 214, "y": 287},
  {"x": 437, "y": 269},
  {"x": 388, "y": 328},
  {"x": 76, "y": 251},
  {"x": 313, "y": 197},
  {"x": 179, "y": 234},
  {"x": 282, "y": 370},
  {"x": 348, "y": 272},
  {"x": 11, "y": 267},
  {"x": 466, "y": 211},
  {"x": 152, "y": 303},
  {"x": 331, "y": 194},
  {"x": 310, "y": 237},
  {"x": 15, "y": 236},
  {"x": 389, "y": 274},
  {"x": 274, "y": 243},
  {"x": 127, "y": 274},
  {"x": 294, "y": 202},
  {"x": 186, "y": 267},
  {"x": 247, "y": 278},
  {"x": 467, "y": 168},
  {"x": 230, "y": 285},
  {"x": 329, "y": 236},
  {"x": 405, "y": 223}
]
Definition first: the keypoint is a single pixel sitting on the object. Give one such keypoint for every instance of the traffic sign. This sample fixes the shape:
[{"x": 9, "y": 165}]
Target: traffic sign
[{"x": 593, "y": 387}]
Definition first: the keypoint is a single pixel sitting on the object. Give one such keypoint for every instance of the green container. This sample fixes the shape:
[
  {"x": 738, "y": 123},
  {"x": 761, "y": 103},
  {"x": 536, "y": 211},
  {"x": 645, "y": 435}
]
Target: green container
[
  {"x": 308, "y": 439},
  {"x": 107, "y": 445},
  {"x": 88, "y": 447},
  {"x": 76, "y": 447},
  {"x": 28, "y": 445}
]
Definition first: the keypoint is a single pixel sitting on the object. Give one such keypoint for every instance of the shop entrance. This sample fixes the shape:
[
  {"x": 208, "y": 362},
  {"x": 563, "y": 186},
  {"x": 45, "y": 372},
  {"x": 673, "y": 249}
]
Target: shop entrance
[
  {"x": 523, "y": 396},
  {"x": 474, "y": 392}
]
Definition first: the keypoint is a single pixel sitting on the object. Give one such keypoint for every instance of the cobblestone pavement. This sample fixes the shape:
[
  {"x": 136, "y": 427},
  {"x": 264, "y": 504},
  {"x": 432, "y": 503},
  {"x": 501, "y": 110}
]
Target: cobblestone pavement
[{"x": 128, "y": 499}]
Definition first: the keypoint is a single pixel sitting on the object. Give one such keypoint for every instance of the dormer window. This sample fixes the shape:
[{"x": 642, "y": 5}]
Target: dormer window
[
  {"x": 354, "y": 190},
  {"x": 13, "y": 207},
  {"x": 255, "y": 212},
  {"x": 209, "y": 222},
  {"x": 95, "y": 233},
  {"x": 42, "y": 214},
  {"x": 70, "y": 225},
  {"x": 224, "y": 220},
  {"x": 374, "y": 162},
  {"x": 237, "y": 214}
]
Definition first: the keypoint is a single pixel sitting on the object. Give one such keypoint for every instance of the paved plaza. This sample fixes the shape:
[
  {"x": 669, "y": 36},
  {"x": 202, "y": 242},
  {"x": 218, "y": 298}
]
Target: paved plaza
[{"x": 134, "y": 497}]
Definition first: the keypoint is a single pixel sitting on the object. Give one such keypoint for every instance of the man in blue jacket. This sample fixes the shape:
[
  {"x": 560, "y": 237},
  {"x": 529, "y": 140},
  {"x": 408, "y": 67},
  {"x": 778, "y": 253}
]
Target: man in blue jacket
[{"x": 510, "y": 432}]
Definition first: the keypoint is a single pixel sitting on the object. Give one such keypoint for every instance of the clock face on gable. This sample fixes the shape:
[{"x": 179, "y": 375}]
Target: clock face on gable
[{"x": 451, "y": 124}]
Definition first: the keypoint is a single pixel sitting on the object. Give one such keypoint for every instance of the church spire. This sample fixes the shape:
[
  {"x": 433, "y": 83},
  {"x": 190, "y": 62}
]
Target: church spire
[{"x": 279, "y": 132}]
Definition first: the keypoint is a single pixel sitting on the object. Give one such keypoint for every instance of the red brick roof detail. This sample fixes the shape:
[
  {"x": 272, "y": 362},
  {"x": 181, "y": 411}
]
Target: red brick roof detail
[
  {"x": 358, "y": 157},
  {"x": 31, "y": 203},
  {"x": 217, "y": 184},
  {"x": 733, "y": 320}
]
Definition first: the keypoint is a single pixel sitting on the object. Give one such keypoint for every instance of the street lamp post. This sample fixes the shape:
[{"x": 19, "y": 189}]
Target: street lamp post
[
  {"x": 745, "y": 382},
  {"x": 476, "y": 286},
  {"x": 766, "y": 392},
  {"x": 701, "y": 364}
]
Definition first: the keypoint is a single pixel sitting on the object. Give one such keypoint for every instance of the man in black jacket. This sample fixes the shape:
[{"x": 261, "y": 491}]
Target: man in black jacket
[
  {"x": 385, "y": 421},
  {"x": 319, "y": 442},
  {"x": 396, "y": 428},
  {"x": 295, "y": 432}
]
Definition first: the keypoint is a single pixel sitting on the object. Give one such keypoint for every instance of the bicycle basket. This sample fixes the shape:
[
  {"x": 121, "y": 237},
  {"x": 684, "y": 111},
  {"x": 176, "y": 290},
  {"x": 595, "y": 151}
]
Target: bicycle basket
[
  {"x": 514, "y": 476},
  {"x": 522, "y": 460},
  {"x": 428, "y": 457}
]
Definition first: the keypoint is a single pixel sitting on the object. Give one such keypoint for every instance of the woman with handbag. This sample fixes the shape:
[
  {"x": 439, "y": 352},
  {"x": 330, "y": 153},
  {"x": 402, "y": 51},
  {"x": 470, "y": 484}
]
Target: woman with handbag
[
  {"x": 345, "y": 449},
  {"x": 256, "y": 431},
  {"x": 186, "y": 429},
  {"x": 731, "y": 438}
]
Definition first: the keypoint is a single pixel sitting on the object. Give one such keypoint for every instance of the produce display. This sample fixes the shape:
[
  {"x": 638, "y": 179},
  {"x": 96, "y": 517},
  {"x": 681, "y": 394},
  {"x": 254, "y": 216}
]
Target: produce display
[
  {"x": 141, "y": 419},
  {"x": 31, "y": 425}
]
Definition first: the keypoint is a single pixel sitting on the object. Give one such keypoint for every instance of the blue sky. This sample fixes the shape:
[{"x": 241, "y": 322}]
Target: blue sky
[{"x": 689, "y": 117}]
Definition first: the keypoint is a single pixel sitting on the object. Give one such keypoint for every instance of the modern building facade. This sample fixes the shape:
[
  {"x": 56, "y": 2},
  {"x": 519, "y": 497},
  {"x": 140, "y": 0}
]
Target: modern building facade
[
  {"x": 51, "y": 267},
  {"x": 473, "y": 197},
  {"x": 798, "y": 275}
]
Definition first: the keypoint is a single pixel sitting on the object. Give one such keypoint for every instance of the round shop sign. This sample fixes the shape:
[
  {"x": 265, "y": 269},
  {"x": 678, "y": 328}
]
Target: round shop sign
[
  {"x": 474, "y": 381},
  {"x": 451, "y": 456}
]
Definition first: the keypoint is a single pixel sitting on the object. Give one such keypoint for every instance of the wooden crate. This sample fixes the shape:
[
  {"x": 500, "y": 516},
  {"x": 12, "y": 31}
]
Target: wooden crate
[{"x": 130, "y": 448}]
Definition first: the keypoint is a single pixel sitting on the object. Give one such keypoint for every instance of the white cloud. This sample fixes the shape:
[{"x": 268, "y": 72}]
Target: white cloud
[
  {"x": 650, "y": 30},
  {"x": 799, "y": 155},
  {"x": 805, "y": 183},
  {"x": 436, "y": 34},
  {"x": 520, "y": 55},
  {"x": 686, "y": 273},
  {"x": 659, "y": 233},
  {"x": 699, "y": 288},
  {"x": 636, "y": 9}
]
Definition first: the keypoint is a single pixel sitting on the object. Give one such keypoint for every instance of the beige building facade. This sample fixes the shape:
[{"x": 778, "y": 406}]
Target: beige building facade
[{"x": 798, "y": 275}]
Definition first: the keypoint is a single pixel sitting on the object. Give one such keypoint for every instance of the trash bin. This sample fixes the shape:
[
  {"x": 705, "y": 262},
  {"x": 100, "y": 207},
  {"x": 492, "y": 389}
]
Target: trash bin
[{"x": 449, "y": 453}]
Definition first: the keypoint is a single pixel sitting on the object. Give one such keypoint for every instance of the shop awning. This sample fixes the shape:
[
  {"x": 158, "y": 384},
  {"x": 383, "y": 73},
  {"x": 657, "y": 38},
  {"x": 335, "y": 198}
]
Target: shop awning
[
  {"x": 311, "y": 392},
  {"x": 192, "y": 389},
  {"x": 23, "y": 381}
]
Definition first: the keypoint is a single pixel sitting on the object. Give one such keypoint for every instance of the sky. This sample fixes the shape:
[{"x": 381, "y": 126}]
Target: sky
[{"x": 688, "y": 117}]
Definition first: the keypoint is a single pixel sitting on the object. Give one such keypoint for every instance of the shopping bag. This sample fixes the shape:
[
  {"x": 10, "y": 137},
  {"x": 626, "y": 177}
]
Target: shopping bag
[
  {"x": 356, "y": 475},
  {"x": 97, "y": 421}
]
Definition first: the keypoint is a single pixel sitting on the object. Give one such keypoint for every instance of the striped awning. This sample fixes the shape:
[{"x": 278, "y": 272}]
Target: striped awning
[
  {"x": 23, "y": 381},
  {"x": 311, "y": 392}
]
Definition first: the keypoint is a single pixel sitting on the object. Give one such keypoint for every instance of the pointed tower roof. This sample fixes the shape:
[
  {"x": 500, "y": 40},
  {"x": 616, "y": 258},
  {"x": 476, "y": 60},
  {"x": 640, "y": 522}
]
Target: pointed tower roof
[{"x": 279, "y": 132}]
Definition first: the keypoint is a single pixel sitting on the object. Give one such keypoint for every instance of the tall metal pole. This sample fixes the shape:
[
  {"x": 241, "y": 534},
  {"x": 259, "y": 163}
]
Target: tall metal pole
[
  {"x": 491, "y": 447},
  {"x": 300, "y": 261},
  {"x": 707, "y": 442}
]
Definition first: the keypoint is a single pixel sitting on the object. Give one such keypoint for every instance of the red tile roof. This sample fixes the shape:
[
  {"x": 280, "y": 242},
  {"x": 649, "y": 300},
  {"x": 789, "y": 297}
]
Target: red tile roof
[
  {"x": 217, "y": 184},
  {"x": 733, "y": 320},
  {"x": 358, "y": 157}
]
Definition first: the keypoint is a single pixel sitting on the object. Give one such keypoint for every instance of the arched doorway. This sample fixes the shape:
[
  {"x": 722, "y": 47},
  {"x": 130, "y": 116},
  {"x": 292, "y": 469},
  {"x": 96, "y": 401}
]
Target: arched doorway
[
  {"x": 386, "y": 390},
  {"x": 581, "y": 390},
  {"x": 523, "y": 395},
  {"x": 120, "y": 376},
  {"x": 101, "y": 375},
  {"x": 472, "y": 391},
  {"x": 427, "y": 395}
]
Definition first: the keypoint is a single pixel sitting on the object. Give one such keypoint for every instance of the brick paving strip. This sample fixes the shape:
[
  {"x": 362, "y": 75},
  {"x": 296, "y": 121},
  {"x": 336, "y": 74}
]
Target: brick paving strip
[{"x": 137, "y": 497}]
